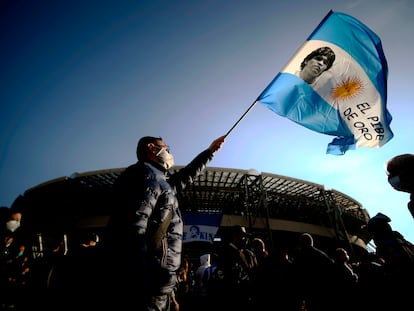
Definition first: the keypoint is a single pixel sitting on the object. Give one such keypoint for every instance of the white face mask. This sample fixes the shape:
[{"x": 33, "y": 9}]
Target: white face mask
[
  {"x": 12, "y": 225},
  {"x": 166, "y": 159}
]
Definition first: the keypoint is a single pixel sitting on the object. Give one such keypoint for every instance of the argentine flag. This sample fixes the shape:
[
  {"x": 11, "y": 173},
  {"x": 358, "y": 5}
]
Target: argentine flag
[{"x": 347, "y": 95}]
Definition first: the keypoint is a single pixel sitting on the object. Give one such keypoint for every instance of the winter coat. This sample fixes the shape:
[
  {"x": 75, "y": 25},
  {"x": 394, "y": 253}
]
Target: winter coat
[{"x": 146, "y": 228}]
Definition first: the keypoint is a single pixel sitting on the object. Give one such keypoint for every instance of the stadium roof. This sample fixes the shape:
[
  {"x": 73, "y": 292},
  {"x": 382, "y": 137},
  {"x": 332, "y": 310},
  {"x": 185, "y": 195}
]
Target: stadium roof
[{"x": 66, "y": 201}]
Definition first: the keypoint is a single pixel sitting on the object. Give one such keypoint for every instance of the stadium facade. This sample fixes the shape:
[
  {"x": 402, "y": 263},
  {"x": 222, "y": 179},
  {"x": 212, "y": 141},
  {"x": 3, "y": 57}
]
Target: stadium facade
[{"x": 274, "y": 207}]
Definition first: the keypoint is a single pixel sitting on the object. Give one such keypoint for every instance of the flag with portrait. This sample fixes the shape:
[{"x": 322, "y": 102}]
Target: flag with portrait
[
  {"x": 336, "y": 84},
  {"x": 200, "y": 227}
]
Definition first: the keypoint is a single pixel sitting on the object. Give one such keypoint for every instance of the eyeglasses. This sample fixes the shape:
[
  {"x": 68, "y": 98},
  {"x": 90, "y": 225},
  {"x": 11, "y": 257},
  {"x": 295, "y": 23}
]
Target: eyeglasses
[{"x": 166, "y": 147}]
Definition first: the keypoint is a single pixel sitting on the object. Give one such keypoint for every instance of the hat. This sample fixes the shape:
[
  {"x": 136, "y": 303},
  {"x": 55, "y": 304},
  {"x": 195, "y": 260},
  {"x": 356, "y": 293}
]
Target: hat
[
  {"x": 381, "y": 217},
  {"x": 205, "y": 259},
  {"x": 379, "y": 222}
]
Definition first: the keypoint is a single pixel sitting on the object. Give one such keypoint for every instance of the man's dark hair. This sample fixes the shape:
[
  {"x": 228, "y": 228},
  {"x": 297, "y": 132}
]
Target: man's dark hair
[
  {"x": 324, "y": 51},
  {"x": 400, "y": 164},
  {"x": 142, "y": 146}
]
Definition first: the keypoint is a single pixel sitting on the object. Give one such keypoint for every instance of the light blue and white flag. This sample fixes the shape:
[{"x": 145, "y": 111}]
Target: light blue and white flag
[
  {"x": 200, "y": 227},
  {"x": 348, "y": 97}
]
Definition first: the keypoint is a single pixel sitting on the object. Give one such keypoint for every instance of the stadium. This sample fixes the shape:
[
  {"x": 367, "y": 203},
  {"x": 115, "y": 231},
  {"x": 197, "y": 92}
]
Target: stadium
[{"x": 274, "y": 207}]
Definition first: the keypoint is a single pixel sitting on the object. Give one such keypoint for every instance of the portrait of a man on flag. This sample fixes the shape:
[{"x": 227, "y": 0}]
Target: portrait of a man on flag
[{"x": 316, "y": 63}]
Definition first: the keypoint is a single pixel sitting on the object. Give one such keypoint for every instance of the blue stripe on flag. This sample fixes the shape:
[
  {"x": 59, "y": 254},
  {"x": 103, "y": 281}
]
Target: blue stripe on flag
[
  {"x": 300, "y": 103},
  {"x": 358, "y": 41}
]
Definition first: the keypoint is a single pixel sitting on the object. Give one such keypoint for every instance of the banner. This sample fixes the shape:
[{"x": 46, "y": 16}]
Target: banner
[{"x": 200, "y": 227}]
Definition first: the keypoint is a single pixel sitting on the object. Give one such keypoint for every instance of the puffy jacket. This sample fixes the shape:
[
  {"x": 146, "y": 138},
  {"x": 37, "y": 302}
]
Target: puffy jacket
[{"x": 148, "y": 223}]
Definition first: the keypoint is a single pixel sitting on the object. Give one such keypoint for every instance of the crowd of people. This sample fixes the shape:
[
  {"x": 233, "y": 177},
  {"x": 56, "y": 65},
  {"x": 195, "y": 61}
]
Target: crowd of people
[
  {"x": 243, "y": 273},
  {"x": 239, "y": 270},
  {"x": 141, "y": 265},
  {"x": 37, "y": 271},
  {"x": 14, "y": 258}
]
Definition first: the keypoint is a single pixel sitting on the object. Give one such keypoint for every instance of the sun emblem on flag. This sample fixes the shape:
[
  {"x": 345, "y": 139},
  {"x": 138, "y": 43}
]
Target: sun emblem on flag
[{"x": 348, "y": 89}]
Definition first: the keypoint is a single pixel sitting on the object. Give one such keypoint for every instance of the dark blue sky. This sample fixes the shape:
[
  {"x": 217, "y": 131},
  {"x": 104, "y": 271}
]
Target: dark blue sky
[{"x": 83, "y": 80}]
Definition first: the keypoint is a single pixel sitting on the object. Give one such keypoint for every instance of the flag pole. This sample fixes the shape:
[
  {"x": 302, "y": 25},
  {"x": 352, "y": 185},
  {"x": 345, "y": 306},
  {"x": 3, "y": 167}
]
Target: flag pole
[{"x": 238, "y": 121}]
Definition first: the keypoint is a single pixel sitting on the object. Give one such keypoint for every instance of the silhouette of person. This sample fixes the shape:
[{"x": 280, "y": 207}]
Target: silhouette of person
[
  {"x": 400, "y": 171},
  {"x": 312, "y": 271},
  {"x": 15, "y": 265},
  {"x": 345, "y": 280},
  {"x": 371, "y": 281},
  {"x": 235, "y": 269},
  {"x": 398, "y": 256},
  {"x": 145, "y": 231},
  {"x": 265, "y": 278},
  {"x": 201, "y": 278}
]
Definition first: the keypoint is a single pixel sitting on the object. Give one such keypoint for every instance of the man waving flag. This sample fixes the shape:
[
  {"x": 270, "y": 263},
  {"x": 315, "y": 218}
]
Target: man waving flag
[{"x": 336, "y": 84}]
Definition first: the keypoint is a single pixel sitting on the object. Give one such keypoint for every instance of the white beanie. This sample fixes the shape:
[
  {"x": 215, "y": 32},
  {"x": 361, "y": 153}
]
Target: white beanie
[{"x": 205, "y": 259}]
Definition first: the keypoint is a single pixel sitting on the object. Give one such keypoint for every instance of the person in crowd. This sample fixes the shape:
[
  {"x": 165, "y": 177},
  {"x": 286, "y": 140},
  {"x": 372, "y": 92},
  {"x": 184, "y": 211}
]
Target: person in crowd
[
  {"x": 371, "y": 281},
  {"x": 259, "y": 248},
  {"x": 146, "y": 225},
  {"x": 400, "y": 171},
  {"x": 183, "y": 298},
  {"x": 201, "y": 279},
  {"x": 14, "y": 261},
  {"x": 199, "y": 275},
  {"x": 345, "y": 281},
  {"x": 265, "y": 278},
  {"x": 397, "y": 253},
  {"x": 233, "y": 276},
  {"x": 312, "y": 269},
  {"x": 316, "y": 63},
  {"x": 76, "y": 266}
]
